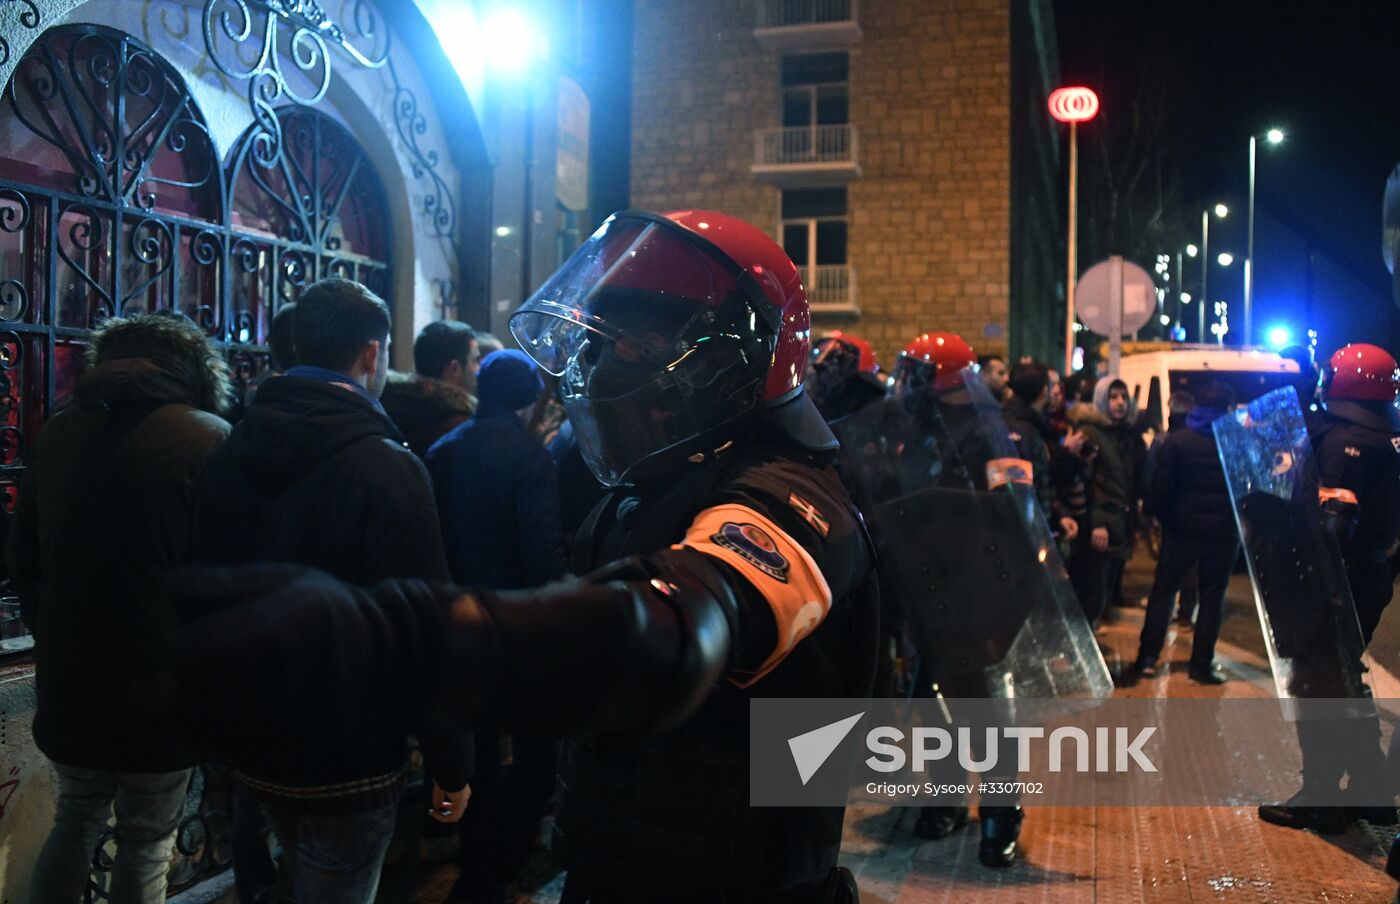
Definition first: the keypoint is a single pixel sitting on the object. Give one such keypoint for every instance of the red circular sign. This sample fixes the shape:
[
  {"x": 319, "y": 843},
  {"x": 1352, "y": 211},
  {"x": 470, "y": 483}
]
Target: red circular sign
[{"x": 1073, "y": 104}]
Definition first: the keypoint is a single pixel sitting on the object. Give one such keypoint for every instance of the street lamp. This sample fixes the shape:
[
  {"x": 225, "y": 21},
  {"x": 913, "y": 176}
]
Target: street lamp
[
  {"x": 1192, "y": 250},
  {"x": 1225, "y": 259},
  {"x": 1222, "y": 212},
  {"x": 1072, "y": 105},
  {"x": 1273, "y": 136}
]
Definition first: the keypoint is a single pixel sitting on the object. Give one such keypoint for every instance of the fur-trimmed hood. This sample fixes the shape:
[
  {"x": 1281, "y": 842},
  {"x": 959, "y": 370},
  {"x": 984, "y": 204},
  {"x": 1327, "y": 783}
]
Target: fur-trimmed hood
[
  {"x": 437, "y": 394},
  {"x": 1085, "y": 414},
  {"x": 153, "y": 359}
]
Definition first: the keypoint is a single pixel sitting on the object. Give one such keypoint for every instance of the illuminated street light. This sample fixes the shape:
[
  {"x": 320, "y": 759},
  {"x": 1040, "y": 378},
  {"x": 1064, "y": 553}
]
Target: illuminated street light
[
  {"x": 511, "y": 43},
  {"x": 1222, "y": 211},
  {"x": 1192, "y": 250},
  {"x": 1225, "y": 259},
  {"x": 1185, "y": 297},
  {"x": 1164, "y": 320},
  {"x": 1273, "y": 136}
]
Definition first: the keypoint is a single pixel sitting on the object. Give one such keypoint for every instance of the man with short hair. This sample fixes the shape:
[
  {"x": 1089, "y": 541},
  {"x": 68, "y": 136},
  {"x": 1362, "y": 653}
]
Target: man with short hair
[
  {"x": 317, "y": 474},
  {"x": 1024, "y": 410},
  {"x": 994, "y": 375},
  {"x": 438, "y": 396}
]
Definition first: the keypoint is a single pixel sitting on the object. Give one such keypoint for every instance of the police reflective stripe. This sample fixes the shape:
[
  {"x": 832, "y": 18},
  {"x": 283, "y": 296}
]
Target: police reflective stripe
[
  {"x": 775, "y": 564},
  {"x": 1001, "y": 471},
  {"x": 1341, "y": 494}
]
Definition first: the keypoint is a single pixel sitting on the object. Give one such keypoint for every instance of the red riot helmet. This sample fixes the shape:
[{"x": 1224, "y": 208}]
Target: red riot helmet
[
  {"x": 665, "y": 330},
  {"x": 1360, "y": 384},
  {"x": 933, "y": 359},
  {"x": 857, "y": 355},
  {"x": 1359, "y": 372}
]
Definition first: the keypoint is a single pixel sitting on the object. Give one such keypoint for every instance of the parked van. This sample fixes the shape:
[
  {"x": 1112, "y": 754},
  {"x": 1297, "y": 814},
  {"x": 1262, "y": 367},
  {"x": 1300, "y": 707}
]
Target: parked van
[{"x": 1153, "y": 376}]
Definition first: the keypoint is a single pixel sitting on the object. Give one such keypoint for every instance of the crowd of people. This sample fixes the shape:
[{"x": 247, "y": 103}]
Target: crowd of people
[{"x": 556, "y": 574}]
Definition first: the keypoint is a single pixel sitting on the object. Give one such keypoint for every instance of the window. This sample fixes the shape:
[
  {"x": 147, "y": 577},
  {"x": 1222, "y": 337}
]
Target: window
[
  {"x": 814, "y": 236},
  {"x": 815, "y": 89}
]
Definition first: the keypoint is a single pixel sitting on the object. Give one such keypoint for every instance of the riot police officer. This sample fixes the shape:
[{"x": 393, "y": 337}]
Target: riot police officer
[
  {"x": 681, "y": 342},
  {"x": 845, "y": 375},
  {"x": 1356, "y": 440}
]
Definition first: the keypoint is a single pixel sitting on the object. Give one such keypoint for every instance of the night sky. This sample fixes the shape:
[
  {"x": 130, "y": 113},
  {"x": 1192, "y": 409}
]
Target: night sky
[{"x": 1326, "y": 73}]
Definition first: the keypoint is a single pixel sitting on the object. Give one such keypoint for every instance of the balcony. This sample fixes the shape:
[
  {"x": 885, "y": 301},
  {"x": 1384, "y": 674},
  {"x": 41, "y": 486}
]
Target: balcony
[
  {"x": 831, "y": 289},
  {"x": 792, "y": 25},
  {"x": 806, "y": 156}
]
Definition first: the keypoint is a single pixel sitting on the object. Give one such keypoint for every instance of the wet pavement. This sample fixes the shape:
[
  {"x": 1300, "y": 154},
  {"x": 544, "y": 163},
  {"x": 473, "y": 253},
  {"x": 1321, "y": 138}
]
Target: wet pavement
[{"x": 1104, "y": 855}]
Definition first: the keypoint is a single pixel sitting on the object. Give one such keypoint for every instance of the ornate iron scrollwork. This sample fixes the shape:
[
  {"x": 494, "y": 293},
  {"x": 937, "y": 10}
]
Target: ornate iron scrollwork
[
  {"x": 309, "y": 34},
  {"x": 28, "y": 18},
  {"x": 303, "y": 32},
  {"x": 411, "y": 123}
]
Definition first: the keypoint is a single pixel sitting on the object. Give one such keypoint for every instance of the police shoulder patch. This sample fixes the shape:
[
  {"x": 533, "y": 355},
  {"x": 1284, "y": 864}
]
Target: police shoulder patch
[
  {"x": 757, "y": 548},
  {"x": 1352, "y": 452}
]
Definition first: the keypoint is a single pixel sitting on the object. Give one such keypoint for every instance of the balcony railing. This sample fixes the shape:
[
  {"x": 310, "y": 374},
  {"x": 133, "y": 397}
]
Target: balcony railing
[
  {"x": 831, "y": 287},
  {"x": 787, "y": 13},
  {"x": 802, "y": 145},
  {"x": 795, "y": 24}
]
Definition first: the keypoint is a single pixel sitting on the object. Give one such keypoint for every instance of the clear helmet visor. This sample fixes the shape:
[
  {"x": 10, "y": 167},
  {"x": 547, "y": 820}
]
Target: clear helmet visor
[{"x": 653, "y": 340}]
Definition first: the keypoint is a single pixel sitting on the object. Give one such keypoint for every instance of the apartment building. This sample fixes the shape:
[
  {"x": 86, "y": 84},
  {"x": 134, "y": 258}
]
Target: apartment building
[{"x": 898, "y": 149}]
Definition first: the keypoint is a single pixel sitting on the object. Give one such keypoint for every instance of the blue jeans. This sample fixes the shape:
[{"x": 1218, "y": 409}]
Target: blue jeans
[
  {"x": 148, "y": 809},
  {"x": 332, "y": 859}
]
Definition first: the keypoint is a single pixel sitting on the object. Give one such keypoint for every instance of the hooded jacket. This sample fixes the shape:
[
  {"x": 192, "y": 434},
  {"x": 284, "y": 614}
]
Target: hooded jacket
[
  {"x": 424, "y": 409},
  {"x": 106, "y": 508},
  {"x": 316, "y": 474},
  {"x": 1189, "y": 493}
]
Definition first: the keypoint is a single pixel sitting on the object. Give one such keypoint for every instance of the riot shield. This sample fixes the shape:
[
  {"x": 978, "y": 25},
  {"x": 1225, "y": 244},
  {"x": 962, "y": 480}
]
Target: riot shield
[
  {"x": 965, "y": 549},
  {"x": 1295, "y": 565}
]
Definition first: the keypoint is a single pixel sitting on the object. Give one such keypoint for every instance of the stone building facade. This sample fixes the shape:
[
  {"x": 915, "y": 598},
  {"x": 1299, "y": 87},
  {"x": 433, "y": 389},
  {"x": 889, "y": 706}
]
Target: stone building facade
[{"x": 904, "y": 156}]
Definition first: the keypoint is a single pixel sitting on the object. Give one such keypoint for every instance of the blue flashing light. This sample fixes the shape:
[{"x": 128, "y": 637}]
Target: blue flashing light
[{"x": 1279, "y": 336}]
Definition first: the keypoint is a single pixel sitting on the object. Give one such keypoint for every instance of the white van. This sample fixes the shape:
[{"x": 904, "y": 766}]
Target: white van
[{"x": 1153, "y": 376}]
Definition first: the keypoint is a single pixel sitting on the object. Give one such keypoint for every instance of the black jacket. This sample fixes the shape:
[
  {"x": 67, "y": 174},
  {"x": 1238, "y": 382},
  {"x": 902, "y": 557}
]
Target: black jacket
[
  {"x": 1189, "y": 494},
  {"x": 316, "y": 474},
  {"x": 670, "y": 813},
  {"x": 1030, "y": 431},
  {"x": 105, "y": 509},
  {"x": 498, "y": 499},
  {"x": 1359, "y": 451}
]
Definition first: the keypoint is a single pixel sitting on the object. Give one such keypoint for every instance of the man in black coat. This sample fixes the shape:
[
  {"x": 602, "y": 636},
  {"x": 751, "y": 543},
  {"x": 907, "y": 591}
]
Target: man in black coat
[
  {"x": 317, "y": 474},
  {"x": 1198, "y": 527},
  {"x": 497, "y": 488},
  {"x": 1024, "y": 411},
  {"x": 105, "y": 509},
  {"x": 498, "y": 499}
]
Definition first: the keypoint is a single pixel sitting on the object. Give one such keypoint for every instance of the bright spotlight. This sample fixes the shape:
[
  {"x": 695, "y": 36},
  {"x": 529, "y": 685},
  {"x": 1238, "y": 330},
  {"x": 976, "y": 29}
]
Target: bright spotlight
[
  {"x": 511, "y": 42},
  {"x": 1279, "y": 336}
]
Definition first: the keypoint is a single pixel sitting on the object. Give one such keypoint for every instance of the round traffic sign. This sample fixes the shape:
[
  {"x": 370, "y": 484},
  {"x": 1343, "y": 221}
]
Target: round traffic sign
[{"x": 1093, "y": 298}]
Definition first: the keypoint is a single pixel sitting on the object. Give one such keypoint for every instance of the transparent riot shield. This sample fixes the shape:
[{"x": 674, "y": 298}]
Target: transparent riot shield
[
  {"x": 965, "y": 549},
  {"x": 1295, "y": 565}
]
